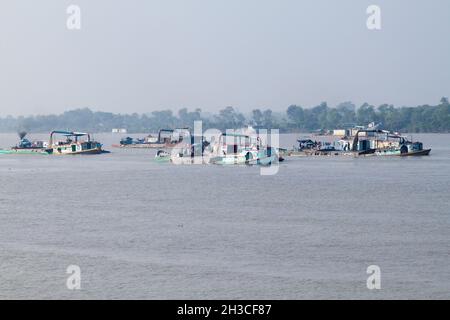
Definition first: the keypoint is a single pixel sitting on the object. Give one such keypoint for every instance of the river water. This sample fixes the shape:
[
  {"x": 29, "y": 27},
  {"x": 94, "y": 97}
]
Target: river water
[{"x": 142, "y": 230}]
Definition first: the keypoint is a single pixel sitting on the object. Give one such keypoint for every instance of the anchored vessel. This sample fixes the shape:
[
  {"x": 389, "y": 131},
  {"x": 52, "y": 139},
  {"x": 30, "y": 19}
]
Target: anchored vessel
[
  {"x": 26, "y": 146},
  {"x": 386, "y": 143},
  {"x": 73, "y": 144},
  {"x": 362, "y": 141},
  {"x": 308, "y": 147},
  {"x": 242, "y": 149},
  {"x": 228, "y": 149},
  {"x": 187, "y": 152},
  {"x": 167, "y": 138}
]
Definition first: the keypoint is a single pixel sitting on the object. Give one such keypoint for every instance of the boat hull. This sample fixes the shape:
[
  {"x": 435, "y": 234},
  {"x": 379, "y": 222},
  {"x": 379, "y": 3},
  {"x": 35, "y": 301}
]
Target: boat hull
[
  {"x": 24, "y": 151},
  {"x": 322, "y": 153},
  {"x": 146, "y": 146},
  {"x": 417, "y": 153},
  {"x": 397, "y": 153},
  {"x": 252, "y": 158},
  {"x": 82, "y": 152}
]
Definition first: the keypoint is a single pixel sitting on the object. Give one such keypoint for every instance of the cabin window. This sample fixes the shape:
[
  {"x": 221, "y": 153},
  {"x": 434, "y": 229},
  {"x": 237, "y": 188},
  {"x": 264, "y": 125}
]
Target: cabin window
[
  {"x": 74, "y": 148},
  {"x": 232, "y": 149}
]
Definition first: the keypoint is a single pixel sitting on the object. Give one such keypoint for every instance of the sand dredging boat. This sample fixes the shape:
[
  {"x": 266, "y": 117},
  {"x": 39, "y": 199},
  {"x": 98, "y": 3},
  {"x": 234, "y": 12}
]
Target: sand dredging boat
[
  {"x": 74, "y": 143},
  {"x": 242, "y": 149},
  {"x": 26, "y": 146},
  {"x": 166, "y": 138},
  {"x": 386, "y": 143},
  {"x": 362, "y": 141},
  {"x": 227, "y": 149}
]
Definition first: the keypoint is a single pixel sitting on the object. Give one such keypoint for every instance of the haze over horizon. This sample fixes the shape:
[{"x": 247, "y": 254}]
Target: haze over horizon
[{"x": 141, "y": 56}]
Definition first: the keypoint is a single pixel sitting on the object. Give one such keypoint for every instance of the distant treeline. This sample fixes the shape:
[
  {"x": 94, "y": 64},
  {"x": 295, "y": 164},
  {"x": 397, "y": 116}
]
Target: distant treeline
[{"x": 423, "y": 118}]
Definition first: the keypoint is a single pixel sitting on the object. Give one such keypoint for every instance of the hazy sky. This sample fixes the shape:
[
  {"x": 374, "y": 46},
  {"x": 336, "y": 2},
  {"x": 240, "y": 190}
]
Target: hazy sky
[{"x": 144, "y": 55}]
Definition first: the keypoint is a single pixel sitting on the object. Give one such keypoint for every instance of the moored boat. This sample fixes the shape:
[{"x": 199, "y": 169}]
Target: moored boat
[
  {"x": 238, "y": 149},
  {"x": 73, "y": 144},
  {"x": 386, "y": 143},
  {"x": 224, "y": 149},
  {"x": 26, "y": 146},
  {"x": 362, "y": 141},
  {"x": 308, "y": 147},
  {"x": 166, "y": 138}
]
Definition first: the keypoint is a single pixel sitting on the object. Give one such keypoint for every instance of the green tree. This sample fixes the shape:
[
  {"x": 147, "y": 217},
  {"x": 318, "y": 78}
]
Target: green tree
[
  {"x": 296, "y": 117},
  {"x": 366, "y": 114},
  {"x": 257, "y": 117}
]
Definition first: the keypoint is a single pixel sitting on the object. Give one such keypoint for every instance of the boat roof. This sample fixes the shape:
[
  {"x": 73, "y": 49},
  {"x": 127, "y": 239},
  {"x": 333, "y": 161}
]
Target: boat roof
[
  {"x": 389, "y": 133},
  {"x": 166, "y": 130},
  {"x": 70, "y": 133},
  {"x": 235, "y": 135}
]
